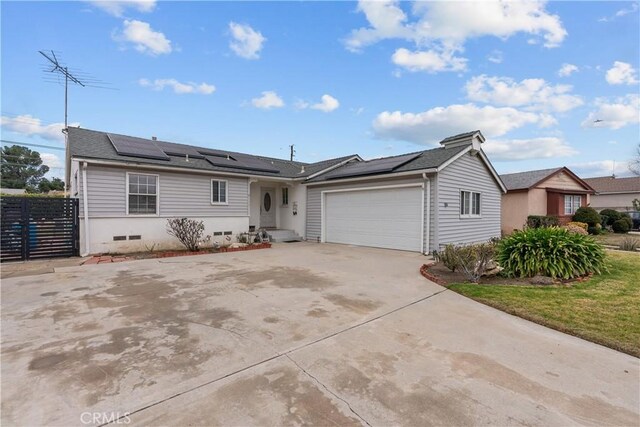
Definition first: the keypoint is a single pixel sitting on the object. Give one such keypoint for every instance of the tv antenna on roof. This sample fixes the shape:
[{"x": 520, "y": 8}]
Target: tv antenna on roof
[{"x": 74, "y": 76}]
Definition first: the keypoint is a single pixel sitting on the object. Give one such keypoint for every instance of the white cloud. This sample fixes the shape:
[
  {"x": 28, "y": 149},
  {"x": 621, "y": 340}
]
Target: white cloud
[
  {"x": 51, "y": 160},
  {"x": 495, "y": 56},
  {"x": 433, "y": 125},
  {"x": 615, "y": 113},
  {"x": 247, "y": 42},
  {"x": 620, "y": 13},
  {"x": 143, "y": 38},
  {"x": 601, "y": 168},
  {"x": 535, "y": 94},
  {"x": 567, "y": 69},
  {"x": 622, "y": 73},
  {"x": 524, "y": 149},
  {"x": 431, "y": 61},
  {"x": 178, "y": 87},
  {"x": 268, "y": 100},
  {"x": 446, "y": 26},
  {"x": 327, "y": 104},
  {"x": 30, "y": 126},
  {"x": 118, "y": 7}
]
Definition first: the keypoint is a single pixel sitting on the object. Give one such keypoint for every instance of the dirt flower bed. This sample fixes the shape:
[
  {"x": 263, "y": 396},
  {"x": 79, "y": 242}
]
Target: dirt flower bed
[{"x": 441, "y": 275}]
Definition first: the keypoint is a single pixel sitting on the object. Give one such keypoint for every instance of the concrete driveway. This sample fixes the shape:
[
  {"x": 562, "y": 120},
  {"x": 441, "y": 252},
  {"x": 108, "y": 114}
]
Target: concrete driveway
[{"x": 298, "y": 334}]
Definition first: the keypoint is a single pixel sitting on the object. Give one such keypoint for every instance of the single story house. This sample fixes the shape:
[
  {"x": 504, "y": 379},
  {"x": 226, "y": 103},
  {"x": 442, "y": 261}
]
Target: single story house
[
  {"x": 128, "y": 187},
  {"x": 554, "y": 192},
  {"x": 614, "y": 193}
]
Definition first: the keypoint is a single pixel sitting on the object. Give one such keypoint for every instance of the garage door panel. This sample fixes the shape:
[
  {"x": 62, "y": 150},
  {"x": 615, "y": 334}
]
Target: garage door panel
[{"x": 385, "y": 218}]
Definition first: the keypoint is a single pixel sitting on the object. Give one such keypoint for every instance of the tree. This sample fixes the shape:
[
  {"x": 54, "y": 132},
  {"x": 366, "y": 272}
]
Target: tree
[
  {"x": 634, "y": 164},
  {"x": 56, "y": 184},
  {"x": 21, "y": 167}
]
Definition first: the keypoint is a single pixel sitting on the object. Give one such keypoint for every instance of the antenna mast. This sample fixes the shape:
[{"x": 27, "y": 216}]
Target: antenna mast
[
  {"x": 64, "y": 71},
  {"x": 292, "y": 151}
]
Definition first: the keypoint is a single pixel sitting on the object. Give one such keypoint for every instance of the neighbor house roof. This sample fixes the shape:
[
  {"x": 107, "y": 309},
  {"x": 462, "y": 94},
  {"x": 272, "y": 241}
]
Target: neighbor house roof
[
  {"x": 610, "y": 184},
  {"x": 530, "y": 179},
  {"x": 91, "y": 144}
]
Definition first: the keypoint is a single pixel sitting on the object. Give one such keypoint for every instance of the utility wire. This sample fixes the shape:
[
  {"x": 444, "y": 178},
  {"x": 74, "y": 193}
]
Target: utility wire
[{"x": 6, "y": 141}]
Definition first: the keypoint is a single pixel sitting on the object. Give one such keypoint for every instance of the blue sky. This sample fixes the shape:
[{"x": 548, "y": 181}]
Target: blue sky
[{"x": 335, "y": 78}]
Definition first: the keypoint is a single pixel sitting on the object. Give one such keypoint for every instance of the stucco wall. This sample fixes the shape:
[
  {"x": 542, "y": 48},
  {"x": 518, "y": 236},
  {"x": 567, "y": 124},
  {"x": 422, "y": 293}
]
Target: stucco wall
[
  {"x": 515, "y": 209},
  {"x": 621, "y": 202}
]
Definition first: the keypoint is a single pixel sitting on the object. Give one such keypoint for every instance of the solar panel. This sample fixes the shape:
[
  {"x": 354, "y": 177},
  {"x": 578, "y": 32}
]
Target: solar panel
[
  {"x": 172, "y": 149},
  {"x": 136, "y": 147},
  {"x": 246, "y": 163},
  {"x": 372, "y": 166}
]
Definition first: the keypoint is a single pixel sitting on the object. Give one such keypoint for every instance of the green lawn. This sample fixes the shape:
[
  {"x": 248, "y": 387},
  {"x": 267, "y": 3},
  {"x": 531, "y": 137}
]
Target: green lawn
[{"x": 604, "y": 309}]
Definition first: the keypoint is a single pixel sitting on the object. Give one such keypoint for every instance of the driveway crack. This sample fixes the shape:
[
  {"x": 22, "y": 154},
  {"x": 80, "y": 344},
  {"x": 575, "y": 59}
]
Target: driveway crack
[{"x": 328, "y": 390}]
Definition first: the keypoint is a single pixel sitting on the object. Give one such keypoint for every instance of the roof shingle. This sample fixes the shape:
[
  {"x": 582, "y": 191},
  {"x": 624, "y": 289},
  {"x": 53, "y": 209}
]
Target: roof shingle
[{"x": 609, "y": 184}]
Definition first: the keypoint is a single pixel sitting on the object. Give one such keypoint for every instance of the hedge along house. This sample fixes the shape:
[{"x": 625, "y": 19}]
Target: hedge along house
[
  {"x": 548, "y": 192},
  {"x": 128, "y": 187}
]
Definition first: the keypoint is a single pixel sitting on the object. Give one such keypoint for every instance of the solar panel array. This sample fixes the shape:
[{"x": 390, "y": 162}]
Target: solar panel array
[
  {"x": 136, "y": 147},
  {"x": 179, "y": 150},
  {"x": 372, "y": 166},
  {"x": 160, "y": 150},
  {"x": 242, "y": 162}
]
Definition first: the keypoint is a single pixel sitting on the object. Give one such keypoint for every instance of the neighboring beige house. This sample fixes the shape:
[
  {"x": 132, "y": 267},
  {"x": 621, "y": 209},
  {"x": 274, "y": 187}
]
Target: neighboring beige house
[
  {"x": 556, "y": 192},
  {"x": 614, "y": 193}
]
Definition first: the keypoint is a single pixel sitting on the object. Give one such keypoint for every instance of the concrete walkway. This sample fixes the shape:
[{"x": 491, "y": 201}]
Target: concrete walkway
[{"x": 297, "y": 334}]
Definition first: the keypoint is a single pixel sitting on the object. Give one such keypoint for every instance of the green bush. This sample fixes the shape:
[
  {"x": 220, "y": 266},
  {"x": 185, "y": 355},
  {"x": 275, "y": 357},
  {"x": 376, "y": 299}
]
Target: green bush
[
  {"x": 620, "y": 226},
  {"x": 609, "y": 216},
  {"x": 625, "y": 216},
  {"x": 537, "y": 221},
  {"x": 553, "y": 252},
  {"x": 588, "y": 215}
]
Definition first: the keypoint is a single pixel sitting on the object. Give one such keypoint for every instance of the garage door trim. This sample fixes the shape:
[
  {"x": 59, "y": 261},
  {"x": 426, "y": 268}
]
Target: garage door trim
[{"x": 323, "y": 196}]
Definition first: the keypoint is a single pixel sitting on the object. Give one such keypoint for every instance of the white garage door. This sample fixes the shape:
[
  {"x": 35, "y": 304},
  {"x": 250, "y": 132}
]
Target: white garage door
[{"x": 382, "y": 218}]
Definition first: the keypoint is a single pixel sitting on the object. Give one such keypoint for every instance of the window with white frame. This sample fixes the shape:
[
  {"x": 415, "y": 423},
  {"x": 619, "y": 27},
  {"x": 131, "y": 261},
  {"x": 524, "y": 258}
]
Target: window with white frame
[
  {"x": 219, "y": 192},
  {"x": 285, "y": 196},
  {"x": 571, "y": 204},
  {"x": 142, "y": 194},
  {"x": 469, "y": 203}
]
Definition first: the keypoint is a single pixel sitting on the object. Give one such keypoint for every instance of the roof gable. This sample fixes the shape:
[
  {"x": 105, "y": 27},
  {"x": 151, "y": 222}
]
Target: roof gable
[{"x": 557, "y": 178}]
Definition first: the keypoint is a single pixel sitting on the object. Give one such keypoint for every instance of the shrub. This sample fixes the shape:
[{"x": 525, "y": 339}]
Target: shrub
[
  {"x": 572, "y": 227},
  {"x": 629, "y": 244},
  {"x": 187, "y": 231},
  {"x": 588, "y": 215},
  {"x": 470, "y": 260},
  {"x": 609, "y": 216},
  {"x": 620, "y": 226},
  {"x": 625, "y": 216},
  {"x": 447, "y": 256},
  {"x": 537, "y": 221},
  {"x": 582, "y": 225},
  {"x": 596, "y": 230},
  {"x": 553, "y": 252}
]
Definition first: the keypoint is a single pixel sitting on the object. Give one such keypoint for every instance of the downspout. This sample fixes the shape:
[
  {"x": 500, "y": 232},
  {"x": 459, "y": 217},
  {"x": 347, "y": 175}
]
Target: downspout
[
  {"x": 85, "y": 208},
  {"x": 428, "y": 220}
]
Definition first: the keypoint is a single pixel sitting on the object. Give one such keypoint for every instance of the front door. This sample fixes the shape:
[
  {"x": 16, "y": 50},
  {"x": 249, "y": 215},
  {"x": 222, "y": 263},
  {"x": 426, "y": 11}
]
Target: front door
[{"x": 267, "y": 208}]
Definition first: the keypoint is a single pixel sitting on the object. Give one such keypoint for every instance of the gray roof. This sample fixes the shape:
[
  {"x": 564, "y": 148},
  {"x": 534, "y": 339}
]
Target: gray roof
[
  {"x": 427, "y": 159},
  {"x": 525, "y": 180},
  {"x": 465, "y": 135},
  {"x": 93, "y": 144}
]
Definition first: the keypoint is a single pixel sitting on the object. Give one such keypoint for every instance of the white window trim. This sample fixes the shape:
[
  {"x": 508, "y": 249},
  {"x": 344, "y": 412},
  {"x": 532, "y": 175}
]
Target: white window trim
[
  {"x": 226, "y": 193},
  {"x": 157, "y": 195},
  {"x": 282, "y": 195},
  {"x": 469, "y": 215},
  {"x": 573, "y": 196}
]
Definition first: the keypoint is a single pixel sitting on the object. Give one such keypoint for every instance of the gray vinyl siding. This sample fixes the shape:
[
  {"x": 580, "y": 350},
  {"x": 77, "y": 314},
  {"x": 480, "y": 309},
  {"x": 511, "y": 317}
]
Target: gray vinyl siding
[
  {"x": 468, "y": 173},
  {"x": 180, "y": 194},
  {"x": 314, "y": 224}
]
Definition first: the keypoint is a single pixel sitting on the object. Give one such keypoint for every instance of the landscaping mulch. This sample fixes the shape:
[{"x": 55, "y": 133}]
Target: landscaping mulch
[
  {"x": 441, "y": 275},
  {"x": 103, "y": 259}
]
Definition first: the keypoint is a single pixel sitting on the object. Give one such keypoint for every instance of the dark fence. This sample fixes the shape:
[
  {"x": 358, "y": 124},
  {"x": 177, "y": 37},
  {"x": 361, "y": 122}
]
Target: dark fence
[{"x": 38, "y": 227}]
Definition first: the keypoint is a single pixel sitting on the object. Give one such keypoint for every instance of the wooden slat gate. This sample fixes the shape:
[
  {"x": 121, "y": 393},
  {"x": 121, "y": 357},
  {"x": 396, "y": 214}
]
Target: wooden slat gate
[{"x": 38, "y": 227}]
